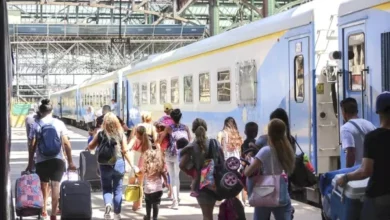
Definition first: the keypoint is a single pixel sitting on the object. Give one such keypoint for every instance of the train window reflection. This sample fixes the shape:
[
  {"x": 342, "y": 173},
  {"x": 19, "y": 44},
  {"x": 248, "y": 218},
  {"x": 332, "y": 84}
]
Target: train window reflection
[
  {"x": 299, "y": 78},
  {"x": 163, "y": 91},
  {"x": 204, "y": 87},
  {"x": 188, "y": 95},
  {"x": 223, "y": 86},
  {"x": 144, "y": 93},
  {"x": 175, "y": 91},
  {"x": 153, "y": 99},
  {"x": 247, "y": 83},
  {"x": 136, "y": 94},
  {"x": 357, "y": 64}
]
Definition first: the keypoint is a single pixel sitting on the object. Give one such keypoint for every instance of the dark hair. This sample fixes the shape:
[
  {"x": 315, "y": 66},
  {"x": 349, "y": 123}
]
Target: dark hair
[
  {"x": 113, "y": 100},
  {"x": 281, "y": 114},
  {"x": 199, "y": 127},
  {"x": 349, "y": 106},
  {"x": 91, "y": 128},
  {"x": 181, "y": 143},
  {"x": 176, "y": 115},
  {"x": 45, "y": 108},
  {"x": 251, "y": 129},
  {"x": 106, "y": 108}
]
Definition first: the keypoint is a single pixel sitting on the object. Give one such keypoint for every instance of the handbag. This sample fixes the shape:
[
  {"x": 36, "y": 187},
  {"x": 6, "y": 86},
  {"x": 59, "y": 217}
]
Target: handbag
[
  {"x": 133, "y": 191},
  {"x": 302, "y": 176},
  {"x": 269, "y": 190}
]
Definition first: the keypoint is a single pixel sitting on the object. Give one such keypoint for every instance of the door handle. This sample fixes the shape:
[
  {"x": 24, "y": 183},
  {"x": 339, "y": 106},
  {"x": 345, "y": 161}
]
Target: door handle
[
  {"x": 327, "y": 125},
  {"x": 328, "y": 149}
]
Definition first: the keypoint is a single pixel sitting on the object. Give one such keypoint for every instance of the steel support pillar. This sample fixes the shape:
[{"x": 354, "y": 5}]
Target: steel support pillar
[{"x": 214, "y": 17}]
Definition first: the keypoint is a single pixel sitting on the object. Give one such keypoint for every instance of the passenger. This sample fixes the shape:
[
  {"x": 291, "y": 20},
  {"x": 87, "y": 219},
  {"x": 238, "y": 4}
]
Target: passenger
[
  {"x": 283, "y": 159},
  {"x": 111, "y": 174},
  {"x": 146, "y": 118},
  {"x": 176, "y": 131},
  {"x": 90, "y": 117},
  {"x": 206, "y": 198},
  {"x": 154, "y": 172},
  {"x": 251, "y": 131},
  {"x": 99, "y": 121},
  {"x": 140, "y": 145},
  {"x": 91, "y": 133},
  {"x": 181, "y": 144},
  {"x": 230, "y": 139},
  {"x": 114, "y": 107},
  {"x": 353, "y": 131},
  {"x": 49, "y": 168},
  {"x": 163, "y": 146},
  {"x": 29, "y": 121},
  {"x": 281, "y": 114},
  {"x": 376, "y": 165}
]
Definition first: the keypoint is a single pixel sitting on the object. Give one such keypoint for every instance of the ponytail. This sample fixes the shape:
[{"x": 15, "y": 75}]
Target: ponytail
[
  {"x": 145, "y": 143},
  {"x": 199, "y": 127}
]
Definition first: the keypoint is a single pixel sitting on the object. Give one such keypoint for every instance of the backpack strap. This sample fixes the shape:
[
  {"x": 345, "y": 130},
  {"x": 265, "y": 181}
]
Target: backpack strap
[{"x": 362, "y": 134}]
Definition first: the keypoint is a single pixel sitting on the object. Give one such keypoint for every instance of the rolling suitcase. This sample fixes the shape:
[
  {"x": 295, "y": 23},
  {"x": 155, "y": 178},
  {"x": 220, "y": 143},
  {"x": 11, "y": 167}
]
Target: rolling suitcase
[
  {"x": 76, "y": 200},
  {"x": 346, "y": 203},
  {"x": 28, "y": 196},
  {"x": 88, "y": 170}
]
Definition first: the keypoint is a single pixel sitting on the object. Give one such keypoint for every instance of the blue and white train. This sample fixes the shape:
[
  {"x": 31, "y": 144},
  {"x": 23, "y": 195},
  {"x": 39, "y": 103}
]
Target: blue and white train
[{"x": 280, "y": 61}]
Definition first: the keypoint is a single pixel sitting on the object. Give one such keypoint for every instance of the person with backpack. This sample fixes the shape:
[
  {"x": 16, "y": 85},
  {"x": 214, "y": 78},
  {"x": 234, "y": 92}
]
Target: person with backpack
[
  {"x": 352, "y": 133},
  {"x": 111, "y": 153},
  {"x": 48, "y": 136},
  {"x": 275, "y": 159},
  {"x": 175, "y": 131}
]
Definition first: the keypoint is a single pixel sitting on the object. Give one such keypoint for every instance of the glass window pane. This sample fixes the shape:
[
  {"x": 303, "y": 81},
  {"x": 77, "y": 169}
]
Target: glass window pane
[
  {"x": 188, "y": 89},
  {"x": 299, "y": 78},
  {"x": 136, "y": 94},
  {"x": 223, "y": 86},
  {"x": 204, "y": 87},
  {"x": 153, "y": 99},
  {"x": 175, "y": 91},
  {"x": 357, "y": 65},
  {"x": 144, "y": 93},
  {"x": 163, "y": 92}
]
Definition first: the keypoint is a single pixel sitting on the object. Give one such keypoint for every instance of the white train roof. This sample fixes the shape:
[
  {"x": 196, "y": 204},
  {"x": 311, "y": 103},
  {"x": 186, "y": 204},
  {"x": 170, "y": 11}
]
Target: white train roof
[
  {"x": 295, "y": 17},
  {"x": 358, "y": 5}
]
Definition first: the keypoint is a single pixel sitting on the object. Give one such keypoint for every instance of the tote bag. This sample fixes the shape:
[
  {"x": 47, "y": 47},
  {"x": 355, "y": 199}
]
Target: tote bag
[{"x": 269, "y": 190}]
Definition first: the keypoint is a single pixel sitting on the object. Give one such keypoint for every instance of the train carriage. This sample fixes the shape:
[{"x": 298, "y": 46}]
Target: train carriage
[{"x": 280, "y": 61}]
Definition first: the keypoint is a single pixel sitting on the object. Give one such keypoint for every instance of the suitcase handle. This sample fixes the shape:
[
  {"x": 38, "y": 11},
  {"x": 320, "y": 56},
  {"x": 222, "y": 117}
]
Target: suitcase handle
[{"x": 340, "y": 194}]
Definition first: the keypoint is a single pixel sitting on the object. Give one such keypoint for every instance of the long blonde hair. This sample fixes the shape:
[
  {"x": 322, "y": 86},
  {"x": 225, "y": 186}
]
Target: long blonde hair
[
  {"x": 277, "y": 140},
  {"x": 154, "y": 162},
  {"x": 199, "y": 127},
  {"x": 234, "y": 137},
  {"x": 112, "y": 127},
  {"x": 144, "y": 140},
  {"x": 146, "y": 117}
]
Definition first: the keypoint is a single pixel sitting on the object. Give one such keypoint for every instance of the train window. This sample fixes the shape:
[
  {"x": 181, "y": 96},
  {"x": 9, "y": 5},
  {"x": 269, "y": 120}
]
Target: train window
[
  {"x": 299, "y": 78},
  {"x": 153, "y": 99},
  {"x": 163, "y": 92},
  {"x": 175, "y": 91},
  {"x": 101, "y": 100},
  {"x": 136, "y": 94},
  {"x": 357, "y": 65},
  {"x": 247, "y": 83},
  {"x": 204, "y": 87},
  {"x": 187, "y": 81},
  {"x": 144, "y": 93},
  {"x": 223, "y": 86}
]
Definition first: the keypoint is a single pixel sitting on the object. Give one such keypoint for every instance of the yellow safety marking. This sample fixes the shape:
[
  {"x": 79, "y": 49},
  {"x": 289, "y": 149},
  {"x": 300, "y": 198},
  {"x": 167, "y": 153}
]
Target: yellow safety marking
[{"x": 384, "y": 6}]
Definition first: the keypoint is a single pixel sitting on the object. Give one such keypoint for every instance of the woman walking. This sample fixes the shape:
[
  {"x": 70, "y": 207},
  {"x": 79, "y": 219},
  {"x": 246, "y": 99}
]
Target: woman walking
[
  {"x": 112, "y": 172},
  {"x": 274, "y": 159}
]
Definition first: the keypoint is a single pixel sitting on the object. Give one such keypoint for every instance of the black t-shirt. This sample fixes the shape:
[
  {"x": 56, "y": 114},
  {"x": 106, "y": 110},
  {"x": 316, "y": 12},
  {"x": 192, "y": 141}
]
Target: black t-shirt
[
  {"x": 99, "y": 121},
  {"x": 376, "y": 147}
]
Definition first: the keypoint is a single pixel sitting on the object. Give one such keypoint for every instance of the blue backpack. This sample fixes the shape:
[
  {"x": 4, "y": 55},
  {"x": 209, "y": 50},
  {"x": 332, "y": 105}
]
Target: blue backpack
[{"x": 49, "y": 143}]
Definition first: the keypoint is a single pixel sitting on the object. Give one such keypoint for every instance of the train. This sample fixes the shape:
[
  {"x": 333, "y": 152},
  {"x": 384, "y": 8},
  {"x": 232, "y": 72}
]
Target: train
[{"x": 305, "y": 60}]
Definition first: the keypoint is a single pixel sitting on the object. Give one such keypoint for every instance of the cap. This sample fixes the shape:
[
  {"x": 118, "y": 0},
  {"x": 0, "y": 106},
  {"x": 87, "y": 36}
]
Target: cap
[
  {"x": 168, "y": 106},
  {"x": 383, "y": 102}
]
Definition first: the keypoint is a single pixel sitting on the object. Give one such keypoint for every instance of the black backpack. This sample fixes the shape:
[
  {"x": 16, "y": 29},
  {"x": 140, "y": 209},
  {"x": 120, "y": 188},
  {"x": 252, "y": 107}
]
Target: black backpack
[
  {"x": 106, "y": 149},
  {"x": 227, "y": 178}
]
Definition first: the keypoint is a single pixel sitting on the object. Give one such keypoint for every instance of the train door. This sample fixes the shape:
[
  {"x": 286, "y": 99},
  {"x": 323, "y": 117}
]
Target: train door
[
  {"x": 124, "y": 107},
  {"x": 115, "y": 96},
  {"x": 352, "y": 81},
  {"x": 299, "y": 106},
  {"x": 355, "y": 68}
]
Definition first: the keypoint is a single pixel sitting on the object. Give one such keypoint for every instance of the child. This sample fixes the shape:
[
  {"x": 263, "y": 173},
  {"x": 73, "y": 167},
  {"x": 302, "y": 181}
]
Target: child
[
  {"x": 251, "y": 131},
  {"x": 154, "y": 172},
  {"x": 91, "y": 133},
  {"x": 164, "y": 145}
]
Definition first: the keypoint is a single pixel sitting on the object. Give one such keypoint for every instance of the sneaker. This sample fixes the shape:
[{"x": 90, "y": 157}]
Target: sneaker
[
  {"x": 175, "y": 205},
  {"x": 107, "y": 213},
  {"x": 117, "y": 217}
]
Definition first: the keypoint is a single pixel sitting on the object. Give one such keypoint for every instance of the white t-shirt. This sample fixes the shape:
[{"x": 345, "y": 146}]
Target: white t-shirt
[
  {"x": 61, "y": 131},
  {"x": 351, "y": 136}
]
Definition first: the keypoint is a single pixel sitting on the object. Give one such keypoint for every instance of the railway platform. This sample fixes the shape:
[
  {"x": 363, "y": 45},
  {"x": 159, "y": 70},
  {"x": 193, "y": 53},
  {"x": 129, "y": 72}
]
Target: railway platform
[{"x": 188, "y": 210}]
